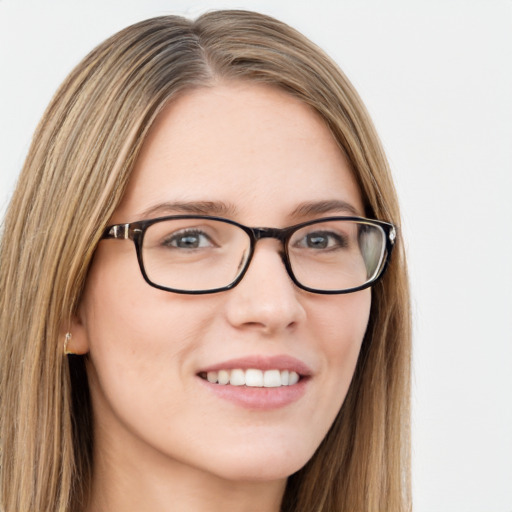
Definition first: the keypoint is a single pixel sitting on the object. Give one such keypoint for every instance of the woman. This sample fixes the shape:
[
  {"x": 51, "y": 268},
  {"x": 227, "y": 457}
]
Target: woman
[{"x": 203, "y": 222}]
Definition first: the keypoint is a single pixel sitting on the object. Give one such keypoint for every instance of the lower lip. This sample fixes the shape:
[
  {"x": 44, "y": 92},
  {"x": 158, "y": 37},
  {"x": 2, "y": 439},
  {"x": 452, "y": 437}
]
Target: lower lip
[{"x": 258, "y": 398}]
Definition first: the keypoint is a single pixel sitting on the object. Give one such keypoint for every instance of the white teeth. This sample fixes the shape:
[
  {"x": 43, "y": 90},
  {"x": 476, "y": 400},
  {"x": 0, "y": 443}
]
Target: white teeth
[
  {"x": 254, "y": 378},
  {"x": 237, "y": 378},
  {"x": 212, "y": 376},
  {"x": 272, "y": 379},
  {"x": 223, "y": 377},
  {"x": 293, "y": 378}
]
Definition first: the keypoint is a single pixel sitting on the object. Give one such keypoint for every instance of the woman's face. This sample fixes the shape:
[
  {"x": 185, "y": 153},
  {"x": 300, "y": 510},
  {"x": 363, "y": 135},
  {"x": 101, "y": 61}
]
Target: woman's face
[{"x": 260, "y": 157}]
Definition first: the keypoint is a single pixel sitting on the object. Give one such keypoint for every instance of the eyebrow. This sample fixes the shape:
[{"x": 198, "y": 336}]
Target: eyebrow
[
  {"x": 322, "y": 207},
  {"x": 222, "y": 209},
  {"x": 215, "y": 208}
]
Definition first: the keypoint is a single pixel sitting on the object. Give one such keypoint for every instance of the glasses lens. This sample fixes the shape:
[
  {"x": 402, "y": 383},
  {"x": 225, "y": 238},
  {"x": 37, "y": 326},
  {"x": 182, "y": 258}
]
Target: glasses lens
[
  {"x": 194, "y": 254},
  {"x": 337, "y": 255}
]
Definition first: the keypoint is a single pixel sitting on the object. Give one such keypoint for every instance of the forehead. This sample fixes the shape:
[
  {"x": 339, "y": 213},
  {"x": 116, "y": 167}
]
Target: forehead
[{"x": 250, "y": 146}]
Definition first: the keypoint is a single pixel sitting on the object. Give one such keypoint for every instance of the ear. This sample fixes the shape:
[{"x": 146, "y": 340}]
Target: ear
[{"x": 74, "y": 336}]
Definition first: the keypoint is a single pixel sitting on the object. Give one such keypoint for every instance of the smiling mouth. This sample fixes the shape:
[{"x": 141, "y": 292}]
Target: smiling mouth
[{"x": 252, "y": 377}]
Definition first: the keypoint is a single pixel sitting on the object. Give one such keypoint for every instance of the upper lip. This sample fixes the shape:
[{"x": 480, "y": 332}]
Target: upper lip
[{"x": 280, "y": 362}]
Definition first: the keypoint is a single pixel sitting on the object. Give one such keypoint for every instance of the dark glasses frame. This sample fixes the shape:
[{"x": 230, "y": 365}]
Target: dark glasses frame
[{"x": 135, "y": 231}]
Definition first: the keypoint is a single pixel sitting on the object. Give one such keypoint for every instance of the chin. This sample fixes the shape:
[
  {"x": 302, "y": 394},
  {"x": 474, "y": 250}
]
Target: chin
[{"x": 261, "y": 468}]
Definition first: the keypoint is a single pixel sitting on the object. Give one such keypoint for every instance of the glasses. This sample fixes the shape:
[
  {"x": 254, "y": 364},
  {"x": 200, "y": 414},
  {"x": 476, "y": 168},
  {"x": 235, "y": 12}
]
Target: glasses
[{"x": 198, "y": 254}]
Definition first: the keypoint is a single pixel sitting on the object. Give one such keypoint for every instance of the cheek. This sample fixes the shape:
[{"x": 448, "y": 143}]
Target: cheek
[
  {"x": 341, "y": 323},
  {"x": 340, "y": 326},
  {"x": 139, "y": 338},
  {"x": 121, "y": 309}
]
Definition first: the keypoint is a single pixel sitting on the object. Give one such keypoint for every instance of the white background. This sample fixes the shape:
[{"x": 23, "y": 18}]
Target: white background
[{"x": 437, "y": 78}]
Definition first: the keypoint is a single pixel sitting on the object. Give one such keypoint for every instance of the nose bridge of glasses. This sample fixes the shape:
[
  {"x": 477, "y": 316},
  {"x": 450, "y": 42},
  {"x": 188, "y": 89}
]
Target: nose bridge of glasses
[{"x": 277, "y": 233}]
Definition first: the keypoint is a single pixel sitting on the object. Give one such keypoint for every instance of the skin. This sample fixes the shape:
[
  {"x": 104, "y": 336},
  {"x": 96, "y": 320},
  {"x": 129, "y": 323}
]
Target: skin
[{"x": 163, "y": 441}]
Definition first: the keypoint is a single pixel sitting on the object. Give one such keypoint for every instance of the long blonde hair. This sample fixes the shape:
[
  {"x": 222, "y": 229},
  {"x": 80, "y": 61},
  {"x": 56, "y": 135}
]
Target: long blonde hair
[{"x": 74, "y": 176}]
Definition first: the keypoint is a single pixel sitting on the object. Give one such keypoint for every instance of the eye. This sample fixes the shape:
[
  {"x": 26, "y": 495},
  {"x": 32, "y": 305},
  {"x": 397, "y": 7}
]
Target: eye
[
  {"x": 188, "y": 239},
  {"x": 322, "y": 240}
]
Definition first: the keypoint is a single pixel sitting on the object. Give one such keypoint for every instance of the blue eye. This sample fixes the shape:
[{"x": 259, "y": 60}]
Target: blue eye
[
  {"x": 322, "y": 240},
  {"x": 188, "y": 239}
]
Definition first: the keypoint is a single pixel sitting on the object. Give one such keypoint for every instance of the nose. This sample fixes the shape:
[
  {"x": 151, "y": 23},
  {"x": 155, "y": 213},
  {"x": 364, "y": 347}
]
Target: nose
[{"x": 266, "y": 299}]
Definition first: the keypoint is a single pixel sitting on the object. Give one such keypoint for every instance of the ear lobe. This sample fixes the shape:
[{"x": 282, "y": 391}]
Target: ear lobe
[{"x": 75, "y": 339}]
